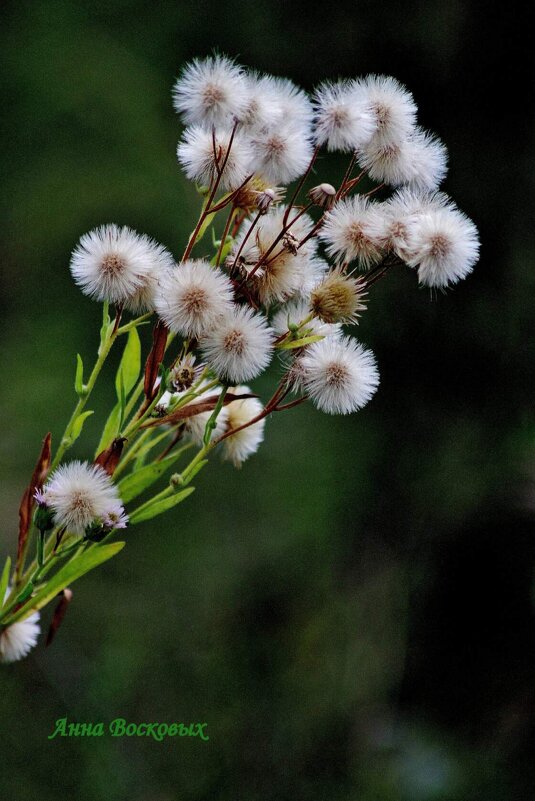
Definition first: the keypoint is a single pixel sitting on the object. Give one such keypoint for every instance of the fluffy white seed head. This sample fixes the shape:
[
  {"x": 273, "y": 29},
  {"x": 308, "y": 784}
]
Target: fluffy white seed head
[
  {"x": 280, "y": 153},
  {"x": 292, "y": 105},
  {"x": 444, "y": 245},
  {"x": 192, "y": 296},
  {"x": 202, "y": 153},
  {"x": 80, "y": 494},
  {"x": 391, "y": 105},
  {"x": 401, "y": 212},
  {"x": 420, "y": 160},
  {"x": 339, "y": 375},
  {"x": 239, "y": 346},
  {"x": 343, "y": 118},
  {"x": 293, "y": 313},
  {"x": 17, "y": 640},
  {"x": 261, "y": 108},
  {"x": 239, "y": 446},
  {"x": 211, "y": 91},
  {"x": 354, "y": 229},
  {"x": 119, "y": 265},
  {"x": 429, "y": 159}
]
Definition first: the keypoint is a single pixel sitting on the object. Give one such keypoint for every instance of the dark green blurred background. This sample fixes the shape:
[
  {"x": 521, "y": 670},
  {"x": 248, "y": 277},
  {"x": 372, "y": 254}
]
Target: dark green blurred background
[{"x": 351, "y": 612}]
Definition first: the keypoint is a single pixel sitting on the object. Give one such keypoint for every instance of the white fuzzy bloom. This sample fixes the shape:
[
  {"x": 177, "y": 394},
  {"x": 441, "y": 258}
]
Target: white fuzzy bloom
[
  {"x": 293, "y": 313},
  {"x": 292, "y": 105},
  {"x": 392, "y": 106},
  {"x": 80, "y": 494},
  {"x": 343, "y": 118},
  {"x": 339, "y": 375},
  {"x": 192, "y": 296},
  {"x": 239, "y": 346},
  {"x": 443, "y": 244},
  {"x": 429, "y": 159},
  {"x": 401, "y": 212},
  {"x": 355, "y": 229},
  {"x": 420, "y": 160},
  {"x": 284, "y": 272},
  {"x": 280, "y": 153},
  {"x": 211, "y": 91},
  {"x": 119, "y": 265},
  {"x": 201, "y": 160},
  {"x": 261, "y": 108},
  {"x": 238, "y": 447},
  {"x": 17, "y": 640}
]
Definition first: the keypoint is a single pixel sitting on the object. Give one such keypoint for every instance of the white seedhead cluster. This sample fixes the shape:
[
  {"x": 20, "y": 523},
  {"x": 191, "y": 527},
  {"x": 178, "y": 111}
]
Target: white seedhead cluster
[{"x": 268, "y": 273}]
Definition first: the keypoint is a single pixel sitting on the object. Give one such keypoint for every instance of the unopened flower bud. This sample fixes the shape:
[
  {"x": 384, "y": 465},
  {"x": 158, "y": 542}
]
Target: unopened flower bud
[
  {"x": 43, "y": 518},
  {"x": 338, "y": 299},
  {"x": 323, "y": 195},
  {"x": 265, "y": 198}
]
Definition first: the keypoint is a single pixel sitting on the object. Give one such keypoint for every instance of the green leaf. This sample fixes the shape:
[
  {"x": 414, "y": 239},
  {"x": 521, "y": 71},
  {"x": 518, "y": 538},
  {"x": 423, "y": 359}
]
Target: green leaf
[
  {"x": 135, "y": 483},
  {"x": 5, "y": 579},
  {"x": 122, "y": 401},
  {"x": 149, "y": 510},
  {"x": 130, "y": 365},
  {"x": 299, "y": 343},
  {"x": 106, "y": 323},
  {"x": 111, "y": 429},
  {"x": 143, "y": 452},
  {"x": 66, "y": 575},
  {"x": 78, "y": 424},
  {"x": 193, "y": 472},
  {"x": 79, "y": 377}
]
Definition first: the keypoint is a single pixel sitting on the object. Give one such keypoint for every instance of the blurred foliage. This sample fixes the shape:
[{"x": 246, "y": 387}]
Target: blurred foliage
[{"x": 351, "y": 612}]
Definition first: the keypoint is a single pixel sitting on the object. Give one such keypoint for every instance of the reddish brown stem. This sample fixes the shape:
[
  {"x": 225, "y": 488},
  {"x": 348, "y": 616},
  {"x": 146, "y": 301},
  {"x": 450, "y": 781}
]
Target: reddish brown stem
[
  {"x": 212, "y": 195},
  {"x": 300, "y": 185}
]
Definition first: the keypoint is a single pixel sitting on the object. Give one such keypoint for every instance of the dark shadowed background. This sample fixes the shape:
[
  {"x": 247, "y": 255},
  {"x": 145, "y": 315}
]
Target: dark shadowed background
[{"x": 352, "y": 612}]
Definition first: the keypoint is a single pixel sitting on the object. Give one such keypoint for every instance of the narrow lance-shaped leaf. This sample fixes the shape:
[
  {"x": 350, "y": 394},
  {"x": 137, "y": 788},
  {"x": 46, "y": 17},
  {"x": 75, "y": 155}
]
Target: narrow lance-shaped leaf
[
  {"x": 59, "y": 614},
  {"x": 78, "y": 424},
  {"x": 79, "y": 377},
  {"x": 206, "y": 405},
  {"x": 111, "y": 429},
  {"x": 67, "y": 575},
  {"x": 299, "y": 343},
  {"x": 135, "y": 483},
  {"x": 154, "y": 359},
  {"x": 5, "y": 579},
  {"x": 27, "y": 502},
  {"x": 150, "y": 510},
  {"x": 130, "y": 365},
  {"x": 109, "y": 458}
]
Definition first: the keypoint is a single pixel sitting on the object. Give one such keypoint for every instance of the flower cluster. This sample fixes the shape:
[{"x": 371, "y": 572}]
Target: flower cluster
[
  {"x": 291, "y": 271},
  {"x": 248, "y": 135}
]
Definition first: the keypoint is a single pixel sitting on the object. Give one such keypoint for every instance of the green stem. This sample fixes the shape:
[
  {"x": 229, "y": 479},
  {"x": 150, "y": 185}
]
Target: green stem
[{"x": 103, "y": 352}]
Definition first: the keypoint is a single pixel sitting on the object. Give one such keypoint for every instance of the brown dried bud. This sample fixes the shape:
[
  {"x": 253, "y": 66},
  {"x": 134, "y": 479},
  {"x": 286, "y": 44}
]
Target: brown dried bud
[
  {"x": 338, "y": 299},
  {"x": 323, "y": 195},
  {"x": 184, "y": 374},
  {"x": 267, "y": 197},
  {"x": 290, "y": 243}
]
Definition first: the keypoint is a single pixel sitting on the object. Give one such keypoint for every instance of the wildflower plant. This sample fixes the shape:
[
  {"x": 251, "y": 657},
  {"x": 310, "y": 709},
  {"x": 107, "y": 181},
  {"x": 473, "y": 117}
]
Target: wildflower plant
[{"x": 281, "y": 282}]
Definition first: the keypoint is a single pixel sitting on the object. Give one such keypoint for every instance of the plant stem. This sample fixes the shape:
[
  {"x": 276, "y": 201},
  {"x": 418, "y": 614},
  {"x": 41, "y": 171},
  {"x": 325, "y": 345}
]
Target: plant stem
[{"x": 65, "y": 443}]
